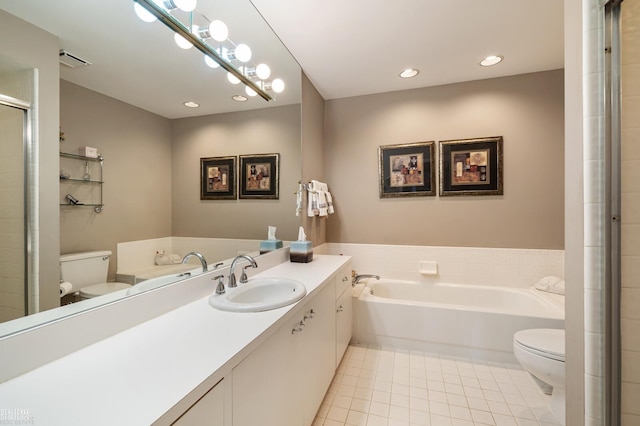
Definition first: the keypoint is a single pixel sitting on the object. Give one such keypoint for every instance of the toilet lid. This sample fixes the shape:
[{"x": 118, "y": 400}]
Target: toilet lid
[
  {"x": 101, "y": 289},
  {"x": 546, "y": 342}
]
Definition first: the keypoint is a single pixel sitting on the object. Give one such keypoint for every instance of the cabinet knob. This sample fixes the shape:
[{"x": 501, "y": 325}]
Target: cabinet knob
[
  {"x": 345, "y": 279},
  {"x": 298, "y": 328},
  {"x": 340, "y": 309}
]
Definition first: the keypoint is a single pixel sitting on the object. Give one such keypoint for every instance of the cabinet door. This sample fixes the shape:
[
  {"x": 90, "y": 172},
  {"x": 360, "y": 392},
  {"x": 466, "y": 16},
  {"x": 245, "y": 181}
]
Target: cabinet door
[
  {"x": 344, "y": 320},
  {"x": 316, "y": 348},
  {"x": 209, "y": 410},
  {"x": 264, "y": 383}
]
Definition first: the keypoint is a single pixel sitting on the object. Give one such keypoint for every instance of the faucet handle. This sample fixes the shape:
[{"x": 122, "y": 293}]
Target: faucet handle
[
  {"x": 243, "y": 277},
  {"x": 220, "y": 287}
]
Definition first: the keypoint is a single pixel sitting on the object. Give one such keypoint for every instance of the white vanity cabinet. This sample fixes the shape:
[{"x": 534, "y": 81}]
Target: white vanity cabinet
[
  {"x": 284, "y": 380},
  {"x": 344, "y": 312},
  {"x": 209, "y": 410}
]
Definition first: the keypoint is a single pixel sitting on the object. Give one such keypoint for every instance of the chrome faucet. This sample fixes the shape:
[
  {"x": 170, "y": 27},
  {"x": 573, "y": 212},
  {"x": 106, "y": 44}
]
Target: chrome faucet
[
  {"x": 199, "y": 256},
  {"x": 357, "y": 278},
  {"x": 232, "y": 276}
]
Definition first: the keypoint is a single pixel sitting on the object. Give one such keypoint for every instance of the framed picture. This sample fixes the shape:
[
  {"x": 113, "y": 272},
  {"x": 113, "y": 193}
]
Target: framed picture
[
  {"x": 259, "y": 176},
  {"x": 471, "y": 167},
  {"x": 407, "y": 170},
  {"x": 218, "y": 178}
]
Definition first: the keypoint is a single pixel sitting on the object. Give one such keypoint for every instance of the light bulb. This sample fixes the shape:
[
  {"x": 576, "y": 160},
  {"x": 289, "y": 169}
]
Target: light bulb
[
  {"x": 277, "y": 85},
  {"x": 143, "y": 13},
  {"x": 491, "y": 60},
  {"x": 232, "y": 78},
  {"x": 409, "y": 72},
  {"x": 186, "y": 5},
  {"x": 182, "y": 42},
  {"x": 263, "y": 71},
  {"x": 218, "y": 30},
  {"x": 211, "y": 63},
  {"x": 250, "y": 91},
  {"x": 243, "y": 53}
]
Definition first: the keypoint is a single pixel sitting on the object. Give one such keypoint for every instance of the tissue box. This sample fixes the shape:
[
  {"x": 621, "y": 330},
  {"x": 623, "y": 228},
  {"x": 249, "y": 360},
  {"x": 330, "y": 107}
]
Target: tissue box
[
  {"x": 301, "y": 251},
  {"x": 88, "y": 151},
  {"x": 270, "y": 245}
]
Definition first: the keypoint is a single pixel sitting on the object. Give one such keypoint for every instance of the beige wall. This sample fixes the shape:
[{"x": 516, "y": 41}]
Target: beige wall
[
  {"x": 527, "y": 110},
  {"x": 630, "y": 314},
  {"x": 32, "y": 47},
  {"x": 136, "y": 145},
  {"x": 262, "y": 131},
  {"x": 312, "y": 154}
]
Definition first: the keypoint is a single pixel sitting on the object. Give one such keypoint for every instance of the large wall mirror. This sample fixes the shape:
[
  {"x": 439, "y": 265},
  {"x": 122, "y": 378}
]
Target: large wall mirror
[{"x": 129, "y": 103}]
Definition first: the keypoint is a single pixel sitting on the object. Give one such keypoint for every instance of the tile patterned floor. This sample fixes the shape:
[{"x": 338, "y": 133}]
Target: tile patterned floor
[{"x": 391, "y": 387}]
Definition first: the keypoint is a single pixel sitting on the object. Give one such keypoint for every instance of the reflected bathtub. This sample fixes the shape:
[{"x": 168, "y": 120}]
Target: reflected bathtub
[
  {"x": 152, "y": 283},
  {"x": 454, "y": 319}
]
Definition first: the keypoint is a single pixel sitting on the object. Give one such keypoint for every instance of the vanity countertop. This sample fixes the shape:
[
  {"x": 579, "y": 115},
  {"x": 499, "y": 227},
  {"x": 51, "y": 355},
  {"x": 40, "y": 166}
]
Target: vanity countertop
[{"x": 134, "y": 377}]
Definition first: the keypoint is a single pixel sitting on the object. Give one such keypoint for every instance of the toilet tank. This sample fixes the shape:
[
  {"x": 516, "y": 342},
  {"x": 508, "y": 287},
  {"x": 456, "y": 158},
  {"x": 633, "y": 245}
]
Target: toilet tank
[{"x": 84, "y": 269}]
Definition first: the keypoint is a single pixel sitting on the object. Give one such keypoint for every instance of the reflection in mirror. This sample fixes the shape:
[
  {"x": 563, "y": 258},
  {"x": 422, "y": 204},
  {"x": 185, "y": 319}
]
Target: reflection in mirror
[{"x": 129, "y": 104}]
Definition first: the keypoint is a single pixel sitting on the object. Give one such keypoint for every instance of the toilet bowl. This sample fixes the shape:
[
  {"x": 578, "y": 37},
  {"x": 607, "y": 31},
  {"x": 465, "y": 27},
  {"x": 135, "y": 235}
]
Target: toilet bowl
[{"x": 541, "y": 353}]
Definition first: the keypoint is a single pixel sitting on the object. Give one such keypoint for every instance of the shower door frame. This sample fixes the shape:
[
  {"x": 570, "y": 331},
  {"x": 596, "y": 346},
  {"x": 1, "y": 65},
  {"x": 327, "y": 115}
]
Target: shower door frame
[{"x": 613, "y": 209}]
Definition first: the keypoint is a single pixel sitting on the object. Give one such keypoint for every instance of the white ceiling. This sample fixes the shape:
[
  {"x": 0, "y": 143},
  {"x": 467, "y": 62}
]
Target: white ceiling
[
  {"x": 140, "y": 64},
  {"x": 346, "y": 48},
  {"x": 358, "y": 47}
]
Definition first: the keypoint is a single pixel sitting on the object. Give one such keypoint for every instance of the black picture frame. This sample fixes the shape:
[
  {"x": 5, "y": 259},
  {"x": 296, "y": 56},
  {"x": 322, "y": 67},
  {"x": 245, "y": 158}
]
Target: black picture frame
[
  {"x": 407, "y": 170},
  {"x": 259, "y": 176},
  {"x": 218, "y": 178},
  {"x": 470, "y": 167}
]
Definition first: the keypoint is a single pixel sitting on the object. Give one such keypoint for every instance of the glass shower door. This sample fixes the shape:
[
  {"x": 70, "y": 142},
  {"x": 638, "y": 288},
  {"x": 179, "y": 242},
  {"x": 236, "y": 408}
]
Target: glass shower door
[{"x": 13, "y": 246}]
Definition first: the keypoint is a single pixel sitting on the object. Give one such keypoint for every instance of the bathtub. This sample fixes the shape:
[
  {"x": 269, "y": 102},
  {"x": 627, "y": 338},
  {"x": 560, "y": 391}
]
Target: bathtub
[{"x": 454, "y": 319}]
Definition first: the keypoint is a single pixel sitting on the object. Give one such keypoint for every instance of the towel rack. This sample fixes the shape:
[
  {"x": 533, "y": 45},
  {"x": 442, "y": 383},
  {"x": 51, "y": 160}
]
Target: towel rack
[{"x": 305, "y": 186}]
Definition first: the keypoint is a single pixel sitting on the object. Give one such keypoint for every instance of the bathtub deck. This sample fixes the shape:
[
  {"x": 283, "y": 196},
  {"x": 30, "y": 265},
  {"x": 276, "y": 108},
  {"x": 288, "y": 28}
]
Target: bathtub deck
[{"x": 380, "y": 386}]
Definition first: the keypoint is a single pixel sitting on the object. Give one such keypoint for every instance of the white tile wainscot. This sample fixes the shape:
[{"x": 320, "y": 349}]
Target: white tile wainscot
[
  {"x": 154, "y": 372},
  {"x": 503, "y": 267}
]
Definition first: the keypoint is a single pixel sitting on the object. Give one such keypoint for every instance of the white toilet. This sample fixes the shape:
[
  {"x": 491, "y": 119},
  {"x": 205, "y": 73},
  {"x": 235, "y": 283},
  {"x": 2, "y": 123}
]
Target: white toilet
[
  {"x": 541, "y": 353},
  {"x": 87, "y": 273}
]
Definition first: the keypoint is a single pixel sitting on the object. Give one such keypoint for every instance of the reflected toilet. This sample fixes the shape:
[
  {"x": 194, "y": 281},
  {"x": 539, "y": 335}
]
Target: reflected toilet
[{"x": 87, "y": 273}]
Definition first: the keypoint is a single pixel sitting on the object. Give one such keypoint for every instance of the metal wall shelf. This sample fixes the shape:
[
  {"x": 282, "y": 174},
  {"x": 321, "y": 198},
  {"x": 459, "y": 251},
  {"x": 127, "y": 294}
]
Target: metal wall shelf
[{"x": 97, "y": 207}]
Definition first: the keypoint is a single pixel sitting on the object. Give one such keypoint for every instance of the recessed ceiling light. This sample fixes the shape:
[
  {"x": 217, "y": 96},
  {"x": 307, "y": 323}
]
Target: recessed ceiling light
[
  {"x": 491, "y": 60},
  {"x": 409, "y": 72},
  {"x": 239, "y": 98},
  {"x": 191, "y": 104}
]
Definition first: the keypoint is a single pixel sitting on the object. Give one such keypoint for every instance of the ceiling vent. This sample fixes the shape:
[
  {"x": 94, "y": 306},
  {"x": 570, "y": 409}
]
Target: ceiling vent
[{"x": 71, "y": 60}]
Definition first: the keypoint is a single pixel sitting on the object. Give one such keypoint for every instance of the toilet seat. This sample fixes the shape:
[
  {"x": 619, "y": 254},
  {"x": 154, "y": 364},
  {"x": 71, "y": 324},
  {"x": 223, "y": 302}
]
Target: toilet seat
[
  {"x": 544, "y": 342},
  {"x": 96, "y": 290}
]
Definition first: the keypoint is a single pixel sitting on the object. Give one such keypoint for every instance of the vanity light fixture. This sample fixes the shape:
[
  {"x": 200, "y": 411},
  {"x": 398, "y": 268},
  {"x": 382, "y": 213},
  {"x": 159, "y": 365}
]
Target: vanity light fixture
[
  {"x": 491, "y": 60},
  {"x": 182, "y": 42},
  {"x": 409, "y": 72},
  {"x": 277, "y": 85},
  {"x": 186, "y": 36},
  {"x": 191, "y": 104},
  {"x": 239, "y": 98},
  {"x": 233, "y": 79}
]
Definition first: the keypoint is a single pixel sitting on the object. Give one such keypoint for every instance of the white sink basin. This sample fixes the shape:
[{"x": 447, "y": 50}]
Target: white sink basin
[{"x": 258, "y": 295}]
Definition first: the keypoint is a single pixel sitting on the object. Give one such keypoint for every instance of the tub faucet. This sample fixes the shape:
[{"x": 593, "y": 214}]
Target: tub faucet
[
  {"x": 357, "y": 278},
  {"x": 232, "y": 276},
  {"x": 199, "y": 256}
]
